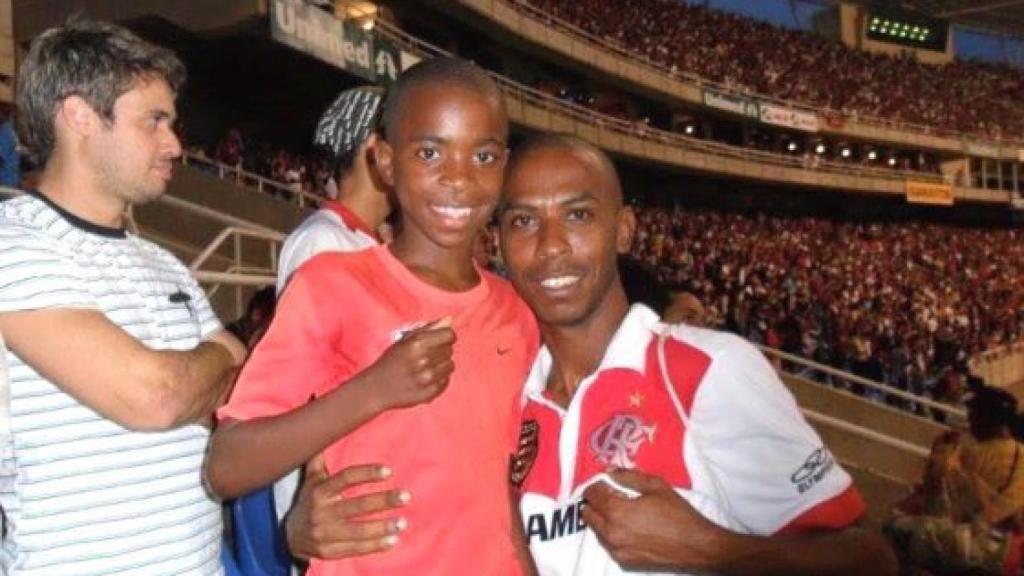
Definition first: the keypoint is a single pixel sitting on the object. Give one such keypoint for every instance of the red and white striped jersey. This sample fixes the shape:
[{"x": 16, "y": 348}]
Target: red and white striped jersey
[{"x": 747, "y": 460}]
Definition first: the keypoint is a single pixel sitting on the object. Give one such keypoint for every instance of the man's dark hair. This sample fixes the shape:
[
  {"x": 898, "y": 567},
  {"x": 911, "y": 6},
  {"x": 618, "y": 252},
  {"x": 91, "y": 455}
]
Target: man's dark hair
[
  {"x": 445, "y": 71},
  {"x": 97, "y": 61}
]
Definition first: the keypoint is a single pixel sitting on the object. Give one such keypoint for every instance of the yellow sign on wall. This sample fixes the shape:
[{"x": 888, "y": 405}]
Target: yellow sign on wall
[{"x": 929, "y": 193}]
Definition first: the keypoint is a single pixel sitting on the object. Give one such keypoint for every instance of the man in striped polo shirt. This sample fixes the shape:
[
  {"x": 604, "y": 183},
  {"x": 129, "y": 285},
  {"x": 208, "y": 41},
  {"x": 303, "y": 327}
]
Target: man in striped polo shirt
[{"x": 116, "y": 358}]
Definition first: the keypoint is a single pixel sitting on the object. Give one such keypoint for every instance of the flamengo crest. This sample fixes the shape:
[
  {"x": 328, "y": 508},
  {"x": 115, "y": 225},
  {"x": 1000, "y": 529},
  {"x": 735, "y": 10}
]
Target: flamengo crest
[{"x": 617, "y": 442}]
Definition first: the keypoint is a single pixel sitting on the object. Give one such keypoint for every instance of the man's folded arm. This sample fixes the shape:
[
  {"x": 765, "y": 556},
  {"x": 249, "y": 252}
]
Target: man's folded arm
[{"x": 89, "y": 357}]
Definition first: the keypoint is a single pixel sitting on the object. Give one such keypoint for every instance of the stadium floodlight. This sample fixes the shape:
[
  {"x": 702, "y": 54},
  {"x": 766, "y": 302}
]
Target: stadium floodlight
[
  {"x": 891, "y": 161},
  {"x": 888, "y": 23},
  {"x": 819, "y": 149},
  {"x": 690, "y": 129},
  {"x": 872, "y": 155},
  {"x": 791, "y": 146},
  {"x": 845, "y": 152}
]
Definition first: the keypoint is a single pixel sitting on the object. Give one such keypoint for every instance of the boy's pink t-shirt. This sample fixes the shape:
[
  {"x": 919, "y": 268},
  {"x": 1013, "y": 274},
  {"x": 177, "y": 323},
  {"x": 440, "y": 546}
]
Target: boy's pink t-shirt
[{"x": 339, "y": 313}]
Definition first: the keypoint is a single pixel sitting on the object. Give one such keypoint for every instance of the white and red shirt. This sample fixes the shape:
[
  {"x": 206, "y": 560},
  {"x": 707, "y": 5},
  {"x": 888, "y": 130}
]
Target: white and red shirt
[
  {"x": 331, "y": 228},
  {"x": 747, "y": 460}
]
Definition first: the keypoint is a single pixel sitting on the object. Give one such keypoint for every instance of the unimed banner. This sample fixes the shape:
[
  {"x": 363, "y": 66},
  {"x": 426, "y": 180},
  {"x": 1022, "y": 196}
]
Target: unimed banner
[
  {"x": 929, "y": 193},
  {"x": 318, "y": 33},
  {"x": 730, "y": 103},
  {"x": 782, "y": 116}
]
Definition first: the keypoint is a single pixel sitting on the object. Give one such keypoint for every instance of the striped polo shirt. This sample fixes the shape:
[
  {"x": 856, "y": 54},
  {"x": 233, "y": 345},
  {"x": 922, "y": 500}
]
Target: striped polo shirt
[{"x": 81, "y": 494}]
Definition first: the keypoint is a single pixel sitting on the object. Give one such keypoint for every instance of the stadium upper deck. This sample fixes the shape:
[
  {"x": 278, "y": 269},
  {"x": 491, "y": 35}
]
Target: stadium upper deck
[{"x": 969, "y": 97}]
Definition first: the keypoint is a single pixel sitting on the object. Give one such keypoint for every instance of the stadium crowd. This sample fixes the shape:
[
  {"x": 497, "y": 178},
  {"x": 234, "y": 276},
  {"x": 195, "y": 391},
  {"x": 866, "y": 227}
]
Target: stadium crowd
[
  {"x": 744, "y": 54},
  {"x": 295, "y": 172},
  {"x": 905, "y": 303}
]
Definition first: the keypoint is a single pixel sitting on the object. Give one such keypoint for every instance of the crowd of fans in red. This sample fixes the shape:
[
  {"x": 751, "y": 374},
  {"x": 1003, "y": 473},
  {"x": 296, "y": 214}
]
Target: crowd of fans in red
[
  {"x": 905, "y": 303},
  {"x": 802, "y": 67},
  {"x": 309, "y": 174}
]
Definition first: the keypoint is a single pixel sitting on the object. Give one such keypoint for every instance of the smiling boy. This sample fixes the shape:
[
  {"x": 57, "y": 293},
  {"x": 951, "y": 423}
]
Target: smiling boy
[{"x": 360, "y": 333}]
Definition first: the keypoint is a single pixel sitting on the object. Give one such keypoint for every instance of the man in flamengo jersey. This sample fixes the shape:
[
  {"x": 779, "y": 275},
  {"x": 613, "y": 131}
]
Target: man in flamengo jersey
[{"x": 698, "y": 462}]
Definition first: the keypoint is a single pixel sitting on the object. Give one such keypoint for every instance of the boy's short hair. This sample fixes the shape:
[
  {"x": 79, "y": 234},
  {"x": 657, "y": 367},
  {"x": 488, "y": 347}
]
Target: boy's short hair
[
  {"x": 343, "y": 127},
  {"x": 97, "y": 61},
  {"x": 446, "y": 71}
]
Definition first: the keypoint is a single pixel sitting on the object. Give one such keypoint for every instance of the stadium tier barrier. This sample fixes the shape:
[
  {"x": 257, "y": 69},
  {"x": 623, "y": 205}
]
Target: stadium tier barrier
[{"x": 1002, "y": 366}]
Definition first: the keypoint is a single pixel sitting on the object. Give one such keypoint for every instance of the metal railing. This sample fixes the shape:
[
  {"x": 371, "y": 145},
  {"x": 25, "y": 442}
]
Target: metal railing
[
  {"x": 698, "y": 82},
  {"x": 533, "y": 97},
  {"x": 251, "y": 180},
  {"x": 238, "y": 274},
  {"x": 865, "y": 433},
  {"x": 956, "y": 413}
]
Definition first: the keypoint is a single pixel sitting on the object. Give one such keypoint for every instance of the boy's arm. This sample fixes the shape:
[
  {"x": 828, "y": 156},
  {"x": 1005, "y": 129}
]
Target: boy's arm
[{"x": 245, "y": 455}]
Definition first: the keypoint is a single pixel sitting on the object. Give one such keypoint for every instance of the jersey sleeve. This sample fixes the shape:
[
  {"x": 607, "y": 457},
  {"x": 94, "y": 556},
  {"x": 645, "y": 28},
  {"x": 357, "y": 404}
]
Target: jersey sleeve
[
  {"x": 773, "y": 469},
  {"x": 36, "y": 274},
  {"x": 297, "y": 358}
]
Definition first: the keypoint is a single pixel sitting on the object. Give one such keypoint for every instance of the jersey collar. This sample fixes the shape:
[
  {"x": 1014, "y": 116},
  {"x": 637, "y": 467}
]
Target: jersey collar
[
  {"x": 350, "y": 218},
  {"x": 627, "y": 349}
]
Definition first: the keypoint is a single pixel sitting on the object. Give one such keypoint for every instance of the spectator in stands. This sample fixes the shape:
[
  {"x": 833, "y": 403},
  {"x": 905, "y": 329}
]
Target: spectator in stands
[
  {"x": 250, "y": 327},
  {"x": 348, "y": 132},
  {"x": 231, "y": 149},
  {"x": 685, "y": 307},
  {"x": 966, "y": 513},
  {"x": 10, "y": 160},
  {"x": 992, "y": 415},
  {"x": 116, "y": 358},
  {"x": 562, "y": 224}
]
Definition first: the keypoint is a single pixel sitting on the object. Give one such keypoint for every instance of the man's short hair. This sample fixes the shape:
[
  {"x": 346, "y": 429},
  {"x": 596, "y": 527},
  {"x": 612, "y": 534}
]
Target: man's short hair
[
  {"x": 436, "y": 71},
  {"x": 97, "y": 61},
  {"x": 563, "y": 141}
]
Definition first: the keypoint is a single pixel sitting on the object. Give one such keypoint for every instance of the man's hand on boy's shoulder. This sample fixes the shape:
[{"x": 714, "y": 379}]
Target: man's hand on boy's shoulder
[
  {"x": 324, "y": 523},
  {"x": 416, "y": 368}
]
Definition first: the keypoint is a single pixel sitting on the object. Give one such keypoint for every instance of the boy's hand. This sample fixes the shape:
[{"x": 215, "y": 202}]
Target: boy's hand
[{"x": 416, "y": 368}]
